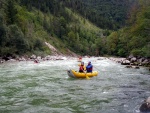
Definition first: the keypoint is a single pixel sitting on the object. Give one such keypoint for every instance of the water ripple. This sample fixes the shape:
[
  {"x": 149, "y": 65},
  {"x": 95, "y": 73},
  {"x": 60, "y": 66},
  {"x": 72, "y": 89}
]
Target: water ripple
[{"x": 26, "y": 87}]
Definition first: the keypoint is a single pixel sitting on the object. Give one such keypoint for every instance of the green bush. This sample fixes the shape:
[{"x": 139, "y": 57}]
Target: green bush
[{"x": 137, "y": 52}]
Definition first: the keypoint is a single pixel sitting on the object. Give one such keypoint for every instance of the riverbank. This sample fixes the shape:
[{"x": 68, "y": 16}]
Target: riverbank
[
  {"x": 34, "y": 57},
  {"x": 132, "y": 62}
]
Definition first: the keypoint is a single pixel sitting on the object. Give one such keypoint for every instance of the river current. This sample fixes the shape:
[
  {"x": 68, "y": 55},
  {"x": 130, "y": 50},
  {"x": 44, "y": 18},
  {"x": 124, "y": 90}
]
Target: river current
[{"x": 27, "y": 87}]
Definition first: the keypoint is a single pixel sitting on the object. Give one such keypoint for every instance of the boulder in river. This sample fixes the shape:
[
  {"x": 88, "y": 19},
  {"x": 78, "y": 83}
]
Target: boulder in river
[
  {"x": 125, "y": 62},
  {"x": 133, "y": 59},
  {"x": 128, "y": 66},
  {"x": 145, "y": 107}
]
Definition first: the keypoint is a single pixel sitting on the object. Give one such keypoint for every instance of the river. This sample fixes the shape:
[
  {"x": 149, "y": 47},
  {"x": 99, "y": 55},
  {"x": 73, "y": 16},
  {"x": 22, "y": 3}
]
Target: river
[{"x": 27, "y": 87}]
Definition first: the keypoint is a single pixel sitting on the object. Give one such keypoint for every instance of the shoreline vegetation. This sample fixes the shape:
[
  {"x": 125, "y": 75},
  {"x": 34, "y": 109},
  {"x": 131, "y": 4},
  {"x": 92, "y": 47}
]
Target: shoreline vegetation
[{"x": 130, "y": 62}]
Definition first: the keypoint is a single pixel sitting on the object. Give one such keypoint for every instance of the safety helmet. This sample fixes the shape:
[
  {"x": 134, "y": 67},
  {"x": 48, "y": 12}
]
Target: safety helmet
[{"x": 82, "y": 63}]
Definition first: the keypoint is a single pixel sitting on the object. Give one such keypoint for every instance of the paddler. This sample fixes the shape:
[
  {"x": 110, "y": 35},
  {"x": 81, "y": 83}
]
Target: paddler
[{"x": 82, "y": 68}]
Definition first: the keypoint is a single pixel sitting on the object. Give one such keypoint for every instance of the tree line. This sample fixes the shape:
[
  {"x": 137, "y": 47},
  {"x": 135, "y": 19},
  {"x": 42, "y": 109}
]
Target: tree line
[
  {"x": 66, "y": 24},
  {"x": 134, "y": 38}
]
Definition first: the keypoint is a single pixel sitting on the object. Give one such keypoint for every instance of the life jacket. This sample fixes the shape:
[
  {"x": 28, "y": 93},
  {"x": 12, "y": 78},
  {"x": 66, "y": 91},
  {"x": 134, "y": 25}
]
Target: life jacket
[
  {"x": 89, "y": 68},
  {"x": 82, "y": 68}
]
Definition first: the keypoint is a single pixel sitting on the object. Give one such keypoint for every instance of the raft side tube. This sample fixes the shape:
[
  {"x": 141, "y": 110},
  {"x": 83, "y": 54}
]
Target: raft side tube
[
  {"x": 70, "y": 74},
  {"x": 75, "y": 74}
]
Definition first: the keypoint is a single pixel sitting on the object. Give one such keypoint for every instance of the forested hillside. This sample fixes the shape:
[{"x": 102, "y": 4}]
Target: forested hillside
[
  {"x": 27, "y": 24},
  {"x": 86, "y": 27},
  {"x": 106, "y": 14},
  {"x": 135, "y": 37}
]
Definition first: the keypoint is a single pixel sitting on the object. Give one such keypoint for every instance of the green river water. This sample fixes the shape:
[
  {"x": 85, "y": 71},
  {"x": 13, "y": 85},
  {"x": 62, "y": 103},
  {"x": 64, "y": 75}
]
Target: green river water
[{"x": 26, "y": 87}]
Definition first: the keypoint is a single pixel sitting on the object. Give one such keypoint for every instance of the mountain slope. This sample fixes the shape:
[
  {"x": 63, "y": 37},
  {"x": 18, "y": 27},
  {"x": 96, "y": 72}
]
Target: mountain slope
[
  {"x": 66, "y": 25},
  {"x": 29, "y": 24},
  {"x": 107, "y": 14},
  {"x": 135, "y": 38}
]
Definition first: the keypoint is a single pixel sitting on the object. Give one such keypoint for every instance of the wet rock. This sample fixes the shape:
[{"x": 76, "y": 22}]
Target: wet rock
[
  {"x": 136, "y": 67},
  {"x": 99, "y": 59},
  {"x": 5, "y": 58},
  {"x": 135, "y": 64},
  {"x": 1, "y": 60},
  {"x": 145, "y": 107},
  {"x": 141, "y": 60},
  {"x": 133, "y": 59},
  {"x": 145, "y": 62},
  {"x": 130, "y": 57},
  {"x": 128, "y": 66},
  {"x": 12, "y": 60},
  {"x": 125, "y": 62},
  {"x": 33, "y": 57},
  {"x": 39, "y": 57},
  {"x": 22, "y": 59}
]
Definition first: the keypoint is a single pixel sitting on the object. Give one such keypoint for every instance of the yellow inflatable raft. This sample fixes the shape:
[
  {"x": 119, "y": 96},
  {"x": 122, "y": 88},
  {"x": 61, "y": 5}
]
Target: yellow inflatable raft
[{"x": 75, "y": 74}]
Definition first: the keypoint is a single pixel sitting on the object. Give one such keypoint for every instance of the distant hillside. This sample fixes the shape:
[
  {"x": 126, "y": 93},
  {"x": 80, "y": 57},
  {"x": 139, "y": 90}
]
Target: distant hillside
[
  {"x": 27, "y": 24},
  {"x": 135, "y": 37},
  {"x": 85, "y": 27},
  {"x": 106, "y": 14}
]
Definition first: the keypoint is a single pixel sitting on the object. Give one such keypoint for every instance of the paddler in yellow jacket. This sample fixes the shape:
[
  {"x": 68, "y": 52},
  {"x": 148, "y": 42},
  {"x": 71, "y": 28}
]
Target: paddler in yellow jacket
[{"x": 82, "y": 68}]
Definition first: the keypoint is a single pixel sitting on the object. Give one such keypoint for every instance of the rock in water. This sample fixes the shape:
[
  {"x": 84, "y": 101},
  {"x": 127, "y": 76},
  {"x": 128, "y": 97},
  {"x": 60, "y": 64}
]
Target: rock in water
[{"x": 145, "y": 107}]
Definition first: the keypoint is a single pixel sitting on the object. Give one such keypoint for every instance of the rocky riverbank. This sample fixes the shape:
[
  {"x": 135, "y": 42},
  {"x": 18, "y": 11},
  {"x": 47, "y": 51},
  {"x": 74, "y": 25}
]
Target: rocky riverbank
[
  {"x": 133, "y": 62},
  {"x": 56, "y": 55},
  {"x": 130, "y": 62},
  {"x": 35, "y": 58}
]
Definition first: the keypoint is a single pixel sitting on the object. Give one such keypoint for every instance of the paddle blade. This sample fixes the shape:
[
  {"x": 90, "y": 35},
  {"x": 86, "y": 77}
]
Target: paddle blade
[{"x": 87, "y": 77}]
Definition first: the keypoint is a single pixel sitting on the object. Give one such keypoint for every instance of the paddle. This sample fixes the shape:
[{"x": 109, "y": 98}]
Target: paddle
[
  {"x": 86, "y": 75},
  {"x": 96, "y": 68}
]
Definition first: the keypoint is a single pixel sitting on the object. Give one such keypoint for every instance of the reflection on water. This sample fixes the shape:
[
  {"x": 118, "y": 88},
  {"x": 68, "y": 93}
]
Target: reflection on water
[{"x": 26, "y": 87}]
